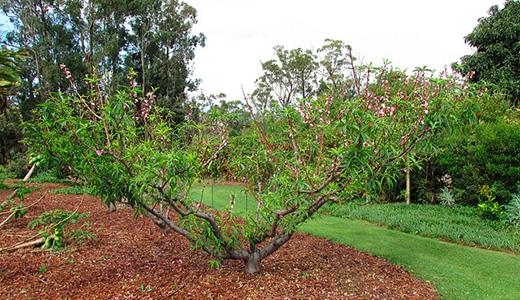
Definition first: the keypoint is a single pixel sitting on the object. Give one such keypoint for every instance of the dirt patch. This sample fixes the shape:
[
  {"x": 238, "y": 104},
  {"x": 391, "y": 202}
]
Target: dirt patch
[{"x": 131, "y": 259}]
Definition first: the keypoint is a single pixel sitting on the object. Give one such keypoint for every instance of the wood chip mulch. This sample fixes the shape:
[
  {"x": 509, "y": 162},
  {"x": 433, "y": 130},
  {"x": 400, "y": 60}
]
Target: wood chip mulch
[{"x": 132, "y": 259}]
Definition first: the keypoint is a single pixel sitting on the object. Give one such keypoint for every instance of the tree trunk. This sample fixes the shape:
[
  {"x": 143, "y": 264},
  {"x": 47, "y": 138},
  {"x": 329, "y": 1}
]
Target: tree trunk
[
  {"x": 254, "y": 256},
  {"x": 408, "y": 188},
  {"x": 253, "y": 263},
  {"x": 31, "y": 171}
]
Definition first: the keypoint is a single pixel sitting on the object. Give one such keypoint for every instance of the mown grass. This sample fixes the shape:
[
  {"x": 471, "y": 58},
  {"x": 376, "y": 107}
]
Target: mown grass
[{"x": 219, "y": 196}]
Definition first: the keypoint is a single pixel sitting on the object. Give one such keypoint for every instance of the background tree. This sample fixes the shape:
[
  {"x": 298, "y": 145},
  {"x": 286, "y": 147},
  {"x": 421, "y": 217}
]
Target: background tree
[
  {"x": 151, "y": 37},
  {"x": 291, "y": 76},
  {"x": 497, "y": 56},
  {"x": 10, "y": 134},
  {"x": 9, "y": 77},
  {"x": 337, "y": 64},
  {"x": 112, "y": 38},
  {"x": 299, "y": 74},
  {"x": 44, "y": 29},
  {"x": 163, "y": 48}
]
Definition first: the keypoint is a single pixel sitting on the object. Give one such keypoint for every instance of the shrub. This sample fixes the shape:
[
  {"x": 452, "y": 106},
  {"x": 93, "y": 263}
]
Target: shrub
[
  {"x": 482, "y": 153},
  {"x": 486, "y": 154},
  {"x": 18, "y": 165}
]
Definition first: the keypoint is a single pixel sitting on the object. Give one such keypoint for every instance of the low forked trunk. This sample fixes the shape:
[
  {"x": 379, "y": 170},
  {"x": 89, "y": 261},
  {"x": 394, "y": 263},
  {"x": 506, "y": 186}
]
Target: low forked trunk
[
  {"x": 253, "y": 258},
  {"x": 252, "y": 263}
]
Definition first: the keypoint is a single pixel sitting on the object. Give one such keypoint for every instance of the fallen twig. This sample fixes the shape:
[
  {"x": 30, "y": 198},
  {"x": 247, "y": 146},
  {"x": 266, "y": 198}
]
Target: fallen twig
[
  {"x": 34, "y": 243},
  {"x": 177, "y": 290},
  {"x": 32, "y": 276},
  {"x": 17, "y": 245}
]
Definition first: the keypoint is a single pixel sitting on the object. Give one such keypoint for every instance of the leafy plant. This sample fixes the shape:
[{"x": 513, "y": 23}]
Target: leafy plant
[
  {"x": 324, "y": 150},
  {"x": 47, "y": 178},
  {"x": 446, "y": 197},
  {"x": 54, "y": 223},
  {"x": 19, "y": 211},
  {"x": 460, "y": 224},
  {"x": 80, "y": 235},
  {"x": 489, "y": 208},
  {"x": 16, "y": 201},
  {"x": 43, "y": 268},
  {"x": 145, "y": 289},
  {"x": 481, "y": 153},
  {"x": 215, "y": 264}
]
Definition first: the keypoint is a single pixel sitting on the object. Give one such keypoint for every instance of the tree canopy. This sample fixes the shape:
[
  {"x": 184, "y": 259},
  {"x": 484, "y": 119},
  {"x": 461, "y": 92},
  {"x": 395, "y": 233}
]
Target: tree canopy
[
  {"x": 496, "y": 60},
  {"x": 300, "y": 73},
  {"x": 323, "y": 150}
]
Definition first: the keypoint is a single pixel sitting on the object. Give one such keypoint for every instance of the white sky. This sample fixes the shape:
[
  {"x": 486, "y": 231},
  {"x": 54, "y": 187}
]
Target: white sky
[{"x": 410, "y": 33}]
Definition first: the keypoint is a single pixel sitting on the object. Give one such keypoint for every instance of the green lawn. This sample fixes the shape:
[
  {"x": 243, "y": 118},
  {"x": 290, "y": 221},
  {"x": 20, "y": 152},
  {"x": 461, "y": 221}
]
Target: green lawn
[{"x": 218, "y": 196}]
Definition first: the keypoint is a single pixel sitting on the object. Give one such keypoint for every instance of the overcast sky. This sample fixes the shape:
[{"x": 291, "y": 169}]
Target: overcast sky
[{"x": 410, "y": 33}]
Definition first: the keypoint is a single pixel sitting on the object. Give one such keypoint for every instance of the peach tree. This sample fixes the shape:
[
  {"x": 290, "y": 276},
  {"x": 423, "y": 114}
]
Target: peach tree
[{"x": 328, "y": 149}]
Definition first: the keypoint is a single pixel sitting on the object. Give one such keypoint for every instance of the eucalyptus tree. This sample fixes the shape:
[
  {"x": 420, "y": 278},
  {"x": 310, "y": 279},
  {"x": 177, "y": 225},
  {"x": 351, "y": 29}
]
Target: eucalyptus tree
[
  {"x": 291, "y": 76},
  {"x": 162, "y": 47},
  {"x": 46, "y": 30},
  {"x": 109, "y": 37},
  {"x": 339, "y": 71}
]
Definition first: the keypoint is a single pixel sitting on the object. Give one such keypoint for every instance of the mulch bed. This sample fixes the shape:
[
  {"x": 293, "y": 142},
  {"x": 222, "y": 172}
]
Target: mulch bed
[{"x": 132, "y": 259}]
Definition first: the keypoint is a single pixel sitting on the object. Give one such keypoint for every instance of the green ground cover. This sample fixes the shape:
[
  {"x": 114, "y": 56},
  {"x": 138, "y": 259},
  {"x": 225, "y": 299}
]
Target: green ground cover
[{"x": 457, "y": 224}]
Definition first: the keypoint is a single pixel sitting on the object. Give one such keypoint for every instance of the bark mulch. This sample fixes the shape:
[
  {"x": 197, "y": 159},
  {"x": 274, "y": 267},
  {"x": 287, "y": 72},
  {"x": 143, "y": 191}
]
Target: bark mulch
[{"x": 132, "y": 259}]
